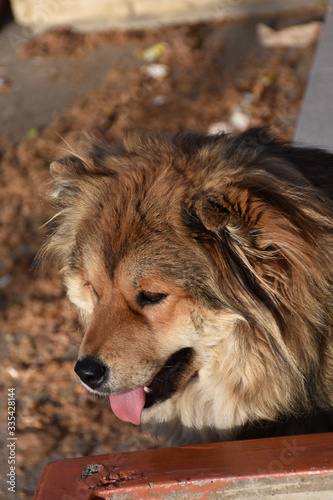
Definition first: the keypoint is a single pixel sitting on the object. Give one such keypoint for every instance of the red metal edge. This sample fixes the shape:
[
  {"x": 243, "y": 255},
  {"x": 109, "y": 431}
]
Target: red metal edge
[{"x": 141, "y": 473}]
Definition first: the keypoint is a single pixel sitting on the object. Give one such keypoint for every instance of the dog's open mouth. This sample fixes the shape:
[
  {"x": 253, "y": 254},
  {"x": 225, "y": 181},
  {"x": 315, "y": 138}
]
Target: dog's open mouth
[{"x": 129, "y": 406}]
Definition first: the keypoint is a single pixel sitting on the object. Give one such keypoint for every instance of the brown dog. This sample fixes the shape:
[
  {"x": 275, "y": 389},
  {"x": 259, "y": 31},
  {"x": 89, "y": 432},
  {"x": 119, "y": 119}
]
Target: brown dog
[{"x": 202, "y": 268}]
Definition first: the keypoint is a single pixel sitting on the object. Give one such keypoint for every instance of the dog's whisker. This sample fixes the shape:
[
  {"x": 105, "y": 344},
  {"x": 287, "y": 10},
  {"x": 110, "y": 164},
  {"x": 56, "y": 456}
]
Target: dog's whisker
[
  {"x": 160, "y": 366},
  {"x": 160, "y": 379}
]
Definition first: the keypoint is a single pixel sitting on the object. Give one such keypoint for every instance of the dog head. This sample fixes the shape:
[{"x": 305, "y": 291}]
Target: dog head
[{"x": 201, "y": 266}]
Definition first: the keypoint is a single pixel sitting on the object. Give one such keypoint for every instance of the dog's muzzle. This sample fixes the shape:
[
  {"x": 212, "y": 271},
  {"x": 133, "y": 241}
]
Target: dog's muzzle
[
  {"x": 128, "y": 406},
  {"x": 92, "y": 373}
]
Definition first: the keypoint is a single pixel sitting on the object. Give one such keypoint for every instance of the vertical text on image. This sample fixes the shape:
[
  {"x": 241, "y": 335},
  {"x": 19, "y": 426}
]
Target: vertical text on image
[{"x": 11, "y": 440}]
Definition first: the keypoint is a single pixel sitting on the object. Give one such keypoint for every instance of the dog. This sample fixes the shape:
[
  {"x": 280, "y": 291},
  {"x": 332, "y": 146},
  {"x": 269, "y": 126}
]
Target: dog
[{"x": 201, "y": 266}]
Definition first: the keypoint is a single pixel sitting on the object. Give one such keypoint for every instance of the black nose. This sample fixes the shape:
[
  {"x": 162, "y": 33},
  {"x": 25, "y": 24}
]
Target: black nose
[{"x": 91, "y": 371}]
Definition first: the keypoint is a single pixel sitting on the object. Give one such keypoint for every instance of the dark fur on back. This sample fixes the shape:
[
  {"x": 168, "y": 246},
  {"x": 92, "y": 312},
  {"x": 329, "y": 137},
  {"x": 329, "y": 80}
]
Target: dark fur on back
[{"x": 242, "y": 227}]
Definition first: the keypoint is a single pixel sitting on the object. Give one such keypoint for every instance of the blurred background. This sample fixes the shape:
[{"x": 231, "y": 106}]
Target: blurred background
[{"x": 109, "y": 66}]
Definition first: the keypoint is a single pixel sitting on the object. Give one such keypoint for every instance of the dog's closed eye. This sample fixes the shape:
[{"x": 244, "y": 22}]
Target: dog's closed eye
[{"x": 150, "y": 298}]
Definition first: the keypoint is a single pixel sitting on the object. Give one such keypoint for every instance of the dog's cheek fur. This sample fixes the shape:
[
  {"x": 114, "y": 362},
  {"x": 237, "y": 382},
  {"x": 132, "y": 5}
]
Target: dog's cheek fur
[
  {"x": 224, "y": 395},
  {"x": 80, "y": 297}
]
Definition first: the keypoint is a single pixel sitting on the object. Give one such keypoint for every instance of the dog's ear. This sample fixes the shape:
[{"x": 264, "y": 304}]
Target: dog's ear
[
  {"x": 258, "y": 213},
  {"x": 68, "y": 176},
  {"x": 91, "y": 158},
  {"x": 275, "y": 232},
  {"x": 67, "y": 168},
  {"x": 250, "y": 201},
  {"x": 229, "y": 206},
  {"x": 213, "y": 213}
]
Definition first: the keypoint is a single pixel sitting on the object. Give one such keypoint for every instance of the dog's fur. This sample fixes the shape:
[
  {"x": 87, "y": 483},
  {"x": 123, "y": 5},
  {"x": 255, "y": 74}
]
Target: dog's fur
[{"x": 236, "y": 233}]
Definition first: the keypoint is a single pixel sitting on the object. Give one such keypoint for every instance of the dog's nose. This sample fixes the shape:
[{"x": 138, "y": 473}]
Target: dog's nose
[{"x": 91, "y": 371}]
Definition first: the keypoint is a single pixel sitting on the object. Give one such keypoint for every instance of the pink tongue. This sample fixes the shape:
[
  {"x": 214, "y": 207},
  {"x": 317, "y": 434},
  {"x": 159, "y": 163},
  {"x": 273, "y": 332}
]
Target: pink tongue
[{"x": 128, "y": 407}]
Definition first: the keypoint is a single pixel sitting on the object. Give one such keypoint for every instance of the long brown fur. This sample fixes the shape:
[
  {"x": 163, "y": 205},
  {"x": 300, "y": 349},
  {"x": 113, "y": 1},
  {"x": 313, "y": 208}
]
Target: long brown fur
[{"x": 237, "y": 233}]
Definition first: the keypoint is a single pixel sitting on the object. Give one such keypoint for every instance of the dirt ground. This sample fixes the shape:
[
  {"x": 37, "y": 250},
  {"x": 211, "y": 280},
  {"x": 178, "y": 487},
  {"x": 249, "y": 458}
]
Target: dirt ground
[{"x": 203, "y": 77}]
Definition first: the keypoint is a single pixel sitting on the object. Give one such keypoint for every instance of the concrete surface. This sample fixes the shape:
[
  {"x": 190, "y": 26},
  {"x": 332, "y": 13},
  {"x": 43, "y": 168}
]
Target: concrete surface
[
  {"x": 315, "y": 124},
  {"x": 103, "y": 14},
  {"x": 40, "y": 88}
]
